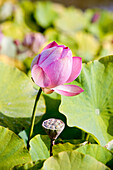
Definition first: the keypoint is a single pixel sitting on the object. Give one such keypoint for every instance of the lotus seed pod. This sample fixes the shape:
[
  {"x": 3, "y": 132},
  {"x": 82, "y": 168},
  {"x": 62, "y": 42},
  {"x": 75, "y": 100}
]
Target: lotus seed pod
[{"x": 53, "y": 127}]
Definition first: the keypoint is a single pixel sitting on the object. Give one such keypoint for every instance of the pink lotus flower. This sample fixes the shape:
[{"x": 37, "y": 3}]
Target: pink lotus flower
[{"x": 55, "y": 66}]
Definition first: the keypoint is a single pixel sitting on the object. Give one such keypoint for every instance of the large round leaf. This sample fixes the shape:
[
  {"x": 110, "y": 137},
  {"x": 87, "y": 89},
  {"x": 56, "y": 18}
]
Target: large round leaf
[
  {"x": 71, "y": 20},
  {"x": 44, "y": 14},
  {"x": 107, "y": 45},
  {"x": 71, "y": 161},
  {"x": 84, "y": 41},
  {"x": 92, "y": 110},
  {"x": 17, "y": 99},
  {"x": 14, "y": 30},
  {"x": 98, "y": 152},
  {"x": 12, "y": 149}
]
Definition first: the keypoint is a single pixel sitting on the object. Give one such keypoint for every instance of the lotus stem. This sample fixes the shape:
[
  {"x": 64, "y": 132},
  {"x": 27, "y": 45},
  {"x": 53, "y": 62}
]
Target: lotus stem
[
  {"x": 51, "y": 146},
  {"x": 33, "y": 118}
]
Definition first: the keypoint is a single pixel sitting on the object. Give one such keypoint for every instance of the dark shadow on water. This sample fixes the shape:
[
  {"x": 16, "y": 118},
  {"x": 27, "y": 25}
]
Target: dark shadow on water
[
  {"x": 110, "y": 127},
  {"x": 52, "y": 106},
  {"x": 15, "y": 124}
]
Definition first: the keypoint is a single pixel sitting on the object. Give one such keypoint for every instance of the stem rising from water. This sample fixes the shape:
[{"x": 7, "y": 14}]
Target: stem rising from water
[{"x": 33, "y": 118}]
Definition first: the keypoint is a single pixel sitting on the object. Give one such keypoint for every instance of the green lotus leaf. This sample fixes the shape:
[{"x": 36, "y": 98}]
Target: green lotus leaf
[
  {"x": 106, "y": 60},
  {"x": 14, "y": 30},
  {"x": 98, "y": 152},
  {"x": 12, "y": 149},
  {"x": 71, "y": 20},
  {"x": 108, "y": 26},
  {"x": 92, "y": 110},
  {"x": 107, "y": 45},
  {"x": 88, "y": 13},
  {"x": 51, "y": 34},
  {"x": 19, "y": 19},
  {"x": 69, "y": 41},
  {"x": 17, "y": 99},
  {"x": 38, "y": 149},
  {"x": 63, "y": 147},
  {"x": 44, "y": 14},
  {"x": 88, "y": 46},
  {"x": 72, "y": 160},
  {"x": 30, "y": 165},
  {"x": 28, "y": 9}
]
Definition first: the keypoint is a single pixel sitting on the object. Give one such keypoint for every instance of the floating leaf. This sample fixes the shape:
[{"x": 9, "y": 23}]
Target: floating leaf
[
  {"x": 63, "y": 147},
  {"x": 10, "y": 29},
  {"x": 72, "y": 160},
  {"x": 45, "y": 14},
  {"x": 38, "y": 149},
  {"x": 69, "y": 41},
  {"x": 17, "y": 99},
  {"x": 106, "y": 60},
  {"x": 92, "y": 110},
  {"x": 35, "y": 165},
  {"x": 51, "y": 34},
  {"x": 88, "y": 46},
  {"x": 12, "y": 150},
  {"x": 98, "y": 152},
  {"x": 71, "y": 20},
  {"x": 107, "y": 45}
]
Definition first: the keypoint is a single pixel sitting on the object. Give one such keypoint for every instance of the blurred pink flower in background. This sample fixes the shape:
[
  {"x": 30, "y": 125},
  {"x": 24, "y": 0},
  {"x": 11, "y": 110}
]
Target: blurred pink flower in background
[
  {"x": 33, "y": 41},
  {"x": 95, "y": 17},
  {"x": 55, "y": 66}
]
